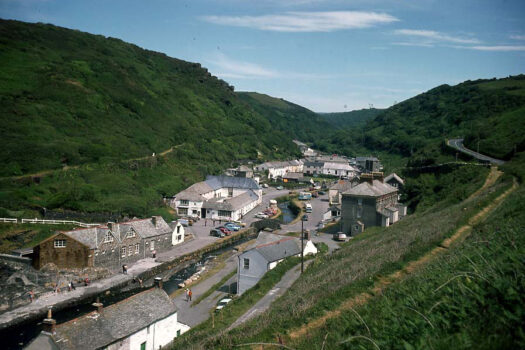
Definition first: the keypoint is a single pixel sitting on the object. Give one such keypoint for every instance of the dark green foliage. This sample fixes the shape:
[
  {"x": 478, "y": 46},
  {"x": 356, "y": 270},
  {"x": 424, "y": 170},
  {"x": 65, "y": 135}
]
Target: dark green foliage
[{"x": 352, "y": 119}]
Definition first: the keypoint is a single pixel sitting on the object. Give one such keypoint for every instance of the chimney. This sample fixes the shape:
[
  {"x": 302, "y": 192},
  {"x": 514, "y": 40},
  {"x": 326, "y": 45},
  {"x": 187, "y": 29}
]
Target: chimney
[
  {"x": 98, "y": 305},
  {"x": 155, "y": 221},
  {"x": 49, "y": 324},
  {"x": 114, "y": 227},
  {"x": 307, "y": 235},
  {"x": 367, "y": 177},
  {"x": 378, "y": 175},
  {"x": 158, "y": 282}
]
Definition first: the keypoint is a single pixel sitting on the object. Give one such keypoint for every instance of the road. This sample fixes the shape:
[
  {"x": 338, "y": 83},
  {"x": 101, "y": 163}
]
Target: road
[{"x": 458, "y": 144}]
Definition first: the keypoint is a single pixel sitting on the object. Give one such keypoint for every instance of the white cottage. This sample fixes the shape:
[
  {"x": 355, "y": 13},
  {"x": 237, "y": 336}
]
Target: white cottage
[
  {"x": 254, "y": 263},
  {"x": 145, "y": 321}
]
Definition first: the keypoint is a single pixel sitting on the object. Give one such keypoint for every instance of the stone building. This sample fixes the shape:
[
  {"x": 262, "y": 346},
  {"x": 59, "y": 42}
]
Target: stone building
[
  {"x": 369, "y": 164},
  {"x": 145, "y": 321},
  {"x": 371, "y": 203},
  {"x": 109, "y": 246}
]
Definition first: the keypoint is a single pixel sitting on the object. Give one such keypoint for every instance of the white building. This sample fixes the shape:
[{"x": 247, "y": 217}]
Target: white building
[
  {"x": 271, "y": 250},
  {"x": 279, "y": 169},
  {"x": 147, "y": 320},
  {"x": 339, "y": 169},
  {"x": 201, "y": 199}
]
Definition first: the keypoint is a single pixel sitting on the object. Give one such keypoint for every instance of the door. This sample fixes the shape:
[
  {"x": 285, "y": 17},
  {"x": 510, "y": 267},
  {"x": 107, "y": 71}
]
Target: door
[
  {"x": 203, "y": 213},
  {"x": 143, "y": 346}
]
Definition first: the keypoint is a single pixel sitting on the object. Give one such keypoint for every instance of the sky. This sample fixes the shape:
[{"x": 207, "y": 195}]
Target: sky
[{"x": 326, "y": 55}]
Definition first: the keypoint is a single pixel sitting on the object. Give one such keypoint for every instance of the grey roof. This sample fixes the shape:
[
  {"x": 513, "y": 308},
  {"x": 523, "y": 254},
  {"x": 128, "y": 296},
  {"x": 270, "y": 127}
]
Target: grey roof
[
  {"x": 366, "y": 189},
  {"x": 222, "y": 181},
  {"x": 283, "y": 248},
  {"x": 232, "y": 204},
  {"x": 115, "y": 322},
  {"x": 281, "y": 164},
  {"x": 342, "y": 186},
  {"x": 396, "y": 177},
  {"x": 88, "y": 236},
  {"x": 195, "y": 192},
  {"x": 314, "y": 164},
  {"x": 294, "y": 176},
  {"x": 362, "y": 159},
  {"x": 43, "y": 341},
  {"x": 338, "y": 166},
  {"x": 146, "y": 229}
]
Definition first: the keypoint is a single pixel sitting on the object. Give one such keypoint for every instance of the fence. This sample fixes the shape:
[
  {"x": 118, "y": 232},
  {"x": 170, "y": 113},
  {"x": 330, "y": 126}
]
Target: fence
[{"x": 47, "y": 222}]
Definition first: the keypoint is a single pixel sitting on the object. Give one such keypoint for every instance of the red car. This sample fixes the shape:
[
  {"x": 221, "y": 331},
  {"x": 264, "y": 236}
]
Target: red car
[{"x": 225, "y": 230}]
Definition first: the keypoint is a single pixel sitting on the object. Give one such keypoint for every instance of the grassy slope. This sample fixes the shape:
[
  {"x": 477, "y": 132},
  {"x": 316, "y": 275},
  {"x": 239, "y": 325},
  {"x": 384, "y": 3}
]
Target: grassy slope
[{"x": 351, "y": 119}]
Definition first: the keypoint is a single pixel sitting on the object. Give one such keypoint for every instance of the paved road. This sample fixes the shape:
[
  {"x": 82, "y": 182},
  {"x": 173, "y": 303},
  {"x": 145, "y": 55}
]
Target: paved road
[{"x": 458, "y": 144}]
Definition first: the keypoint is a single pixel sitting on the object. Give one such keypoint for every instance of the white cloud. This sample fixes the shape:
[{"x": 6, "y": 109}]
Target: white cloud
[
  {"x": 503, "y": 48},
  {"x": 306, "y": 21},
  {"x": 431, "y": 36},
  {"x": 229, "y": 68},
  {"x": 518, "y": 37}
]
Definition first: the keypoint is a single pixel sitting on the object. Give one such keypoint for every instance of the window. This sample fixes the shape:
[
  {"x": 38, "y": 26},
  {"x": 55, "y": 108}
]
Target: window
[
  {"x": 230, "y": 192},
  {"x": 108, "y": 237},
  {"x": 123, "y": 251},
  {"x": 246, "y": 263},
  {"x": 131, "y": 234},
  {"x": 179, "y": 237},
  {"x": 178, "y": 228},
  {"x": 143, "y": 346},
  {"x": 184, "y": 202},
  {"x": 60, "y": 243},
  {"x": 130, "y": 250},
  {"x": 183, "y": 211},
  {"x": 137, "y": 248},
  {"x": 224, "y": 213},
  {"x": 178, "y": 332},
  {"x": 152, "y": 246}
]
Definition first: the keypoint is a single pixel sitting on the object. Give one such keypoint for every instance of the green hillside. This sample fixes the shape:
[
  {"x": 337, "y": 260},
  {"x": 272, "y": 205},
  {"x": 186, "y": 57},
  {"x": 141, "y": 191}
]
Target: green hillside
[
  {"x": 355, "y": 118},
  {"x": 299, "y": 122}
]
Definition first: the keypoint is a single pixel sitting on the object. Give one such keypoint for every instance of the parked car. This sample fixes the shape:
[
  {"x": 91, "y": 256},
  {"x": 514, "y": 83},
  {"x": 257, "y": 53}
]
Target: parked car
[
  {"x": 265, "y": 185},
  {"x": 321, "y": 193},
  {"x": 232, "y": 226},
  {"x": 216, "y": 233},
  {"x": 184, "y": 222},
  {"x": 279, "y": 187},
  {"x": 222, "y": 303},
  {"x": 261, "y": 216},
  {"x": 340, "y": 236},
  {"x": 305, "y": 217},
  {"x": 224, "y": 230}
]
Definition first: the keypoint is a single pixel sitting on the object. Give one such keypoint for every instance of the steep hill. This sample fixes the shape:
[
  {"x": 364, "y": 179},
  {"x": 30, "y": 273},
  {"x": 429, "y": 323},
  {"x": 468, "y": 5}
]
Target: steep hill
[
  {"x": 299, "y": 122},
  {"x": 351, "y": 119}
]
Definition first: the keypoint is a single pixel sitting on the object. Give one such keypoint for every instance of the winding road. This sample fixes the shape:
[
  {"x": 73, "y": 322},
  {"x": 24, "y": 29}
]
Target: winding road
[{"x": 458, "y": 144}]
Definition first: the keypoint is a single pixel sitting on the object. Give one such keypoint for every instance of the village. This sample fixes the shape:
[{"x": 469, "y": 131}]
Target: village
[{"x": 262, "y": 213}]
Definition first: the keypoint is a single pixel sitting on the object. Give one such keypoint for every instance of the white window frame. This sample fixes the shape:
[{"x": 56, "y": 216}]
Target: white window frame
[
  {"x": 108, "y": 238},
  {"x": 59, "y": 243},
  {"x": 137, "y": 248},
  {"x": 123, "y": 252},
  {"x": 130, "y": 250},
  {"x": 152, "y": 245},
  {"x": 246, "y": 263}
]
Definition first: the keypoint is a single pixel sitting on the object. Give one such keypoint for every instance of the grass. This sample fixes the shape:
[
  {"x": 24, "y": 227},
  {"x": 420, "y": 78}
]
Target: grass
[
  {"x": 338, "y": 277},
  {"x": 213, "y": 288},
  {"x": 15, "y": 236}
]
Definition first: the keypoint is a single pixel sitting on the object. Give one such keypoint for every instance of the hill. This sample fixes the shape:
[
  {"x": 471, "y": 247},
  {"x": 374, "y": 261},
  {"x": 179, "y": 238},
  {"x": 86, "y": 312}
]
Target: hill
[
  {"x": 299, "y": 122},
  {"x": 355, "y": 118},
  {"x": 88, "y": 112}
]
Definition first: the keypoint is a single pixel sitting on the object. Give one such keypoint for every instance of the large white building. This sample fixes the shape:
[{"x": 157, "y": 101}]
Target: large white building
[
  {"x": 218, "y": 197},
  {"x": 145, "y": 321},
  {"x": 279, "y": 169},
  {"x": 339, "y": 169},
  {"x": 270, "y": 251}
]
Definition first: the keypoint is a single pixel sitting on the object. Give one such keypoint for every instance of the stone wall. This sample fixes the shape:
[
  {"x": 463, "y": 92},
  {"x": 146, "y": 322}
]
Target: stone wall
[{"x": 73, "y": 255}]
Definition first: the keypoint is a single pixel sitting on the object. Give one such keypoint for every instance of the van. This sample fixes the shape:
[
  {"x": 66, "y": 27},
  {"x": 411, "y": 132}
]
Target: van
[{"x": 308, "y": 207}]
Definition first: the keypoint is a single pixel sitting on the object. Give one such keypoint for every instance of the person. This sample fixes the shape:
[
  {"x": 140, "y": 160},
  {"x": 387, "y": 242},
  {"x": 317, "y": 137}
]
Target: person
[
  {"x": 31, "y": 295},
  {"x": 190, "y": 294},
  {"x": 124, "y": 269},
  {"x": 69, "y": 287},
  {"x": 86, "y": 281},
  {"x": 73, "y": 285},
  {"x": 154, "y": 254}
]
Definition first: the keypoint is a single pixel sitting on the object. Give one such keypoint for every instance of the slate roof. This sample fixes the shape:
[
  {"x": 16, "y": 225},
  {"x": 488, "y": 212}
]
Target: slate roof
[
  {"x": 282, "y": 164},
  {"x": 146, "y": 229},
  {"x": 117, "y": 321},
  {"x": 363, "y": 159},
  {"x": 88, "y": 236},
  {"x": 223, "y": 181},
  {"x": 283, "y": 248},
  {"x": 297, "y": 176},
  {"x": 342, "y": 186},
  {"x": 232, "y": 204},
  {"x": 338, "y": 166},
  {"x": 396, "y": 177},
  {"x": 194, "y": 192},
  {"x": 366, "y": 189},
  {"x": 314, "y": 164}
]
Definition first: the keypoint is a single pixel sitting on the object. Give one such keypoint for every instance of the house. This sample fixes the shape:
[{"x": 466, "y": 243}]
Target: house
[
  {"x": 109, "y": 246},
  {"x": 339, "y": 169},
  {"x": 313, "y": 168},
  {"x": 333, "y": 212},
  {"x": 193, "y": 201},
  {"x": 394, "y": 180},
  {"x": 279, "y": 169},
  {"x": 145, "y": 321},
  {"x": 241, "y": 171},
  {"x": 369, "y": 164},
  {"x": 295, "y": 177},
  {"x": 335, "y": 191},
  {"x": 371, "y": 203},
  {"x": 231, "y": 209},
  {"x": 270, "y": 250}
]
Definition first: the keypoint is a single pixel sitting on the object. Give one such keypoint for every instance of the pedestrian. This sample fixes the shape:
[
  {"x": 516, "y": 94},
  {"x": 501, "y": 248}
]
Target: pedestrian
[
  {"x": 154, "y": 254},
  {"x": 86, "y": 281},
  {"x": 124, "y": 269},
  {"x": 31, "y": 295},
  {"x": 73, "y": 285},
  {"x": 190, "y": 294},
  {"x": 69, "y": 287},
  {"x": 187, "y": 294}
]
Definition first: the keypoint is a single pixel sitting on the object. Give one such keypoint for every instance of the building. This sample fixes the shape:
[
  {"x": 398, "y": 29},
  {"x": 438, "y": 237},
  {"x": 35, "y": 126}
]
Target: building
[
  {"x": 313, "y": 168},
  {"x": 271, "y": 250},
  {"x": 339, "y": 169},
  {"x": 335, "y": 192},
  {"x": 277, "y": 170},
  {"x": 371, "y": 203},
  {"x": 395, "y": 181},
  {"x": 369, "y": 164},
  {"x": 241, "y": 171},
  {"x": 145, "y": 321},
  {"x": 332, "y": 213},
  {"x": 109, "y": 246},
  {"x": 295, "y": 177},
  {"x": 200, "y": 199}
]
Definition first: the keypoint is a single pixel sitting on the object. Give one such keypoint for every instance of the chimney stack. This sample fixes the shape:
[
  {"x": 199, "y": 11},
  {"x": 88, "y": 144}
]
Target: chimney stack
[
  {"x": 378, "y": 175},
  {"x": 158, "y": 282},
  {"x": 114, "y": 227},
  {"x": 49, "y": 323},
  {"x": 367, "y": 177},
  {"x": 307, "y": 235},
  {"x": 98, "y": 305},
  {"x": 154, "y": 221}
]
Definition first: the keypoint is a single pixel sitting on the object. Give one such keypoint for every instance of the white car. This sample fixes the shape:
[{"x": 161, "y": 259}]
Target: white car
[
  {"x": 222, "y": 303},
  {"x": 261, "y": 216}
]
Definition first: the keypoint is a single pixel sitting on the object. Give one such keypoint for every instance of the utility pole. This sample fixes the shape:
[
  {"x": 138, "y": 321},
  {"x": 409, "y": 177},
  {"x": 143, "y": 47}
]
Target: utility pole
[{"x": 302, "y": 243}]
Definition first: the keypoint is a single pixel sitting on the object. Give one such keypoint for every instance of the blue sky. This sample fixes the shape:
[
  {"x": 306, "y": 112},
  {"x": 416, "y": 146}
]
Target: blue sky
[{"x": 330, "y": 55}]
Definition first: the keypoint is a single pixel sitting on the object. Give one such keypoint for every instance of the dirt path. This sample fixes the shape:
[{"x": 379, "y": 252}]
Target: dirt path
[{"x": 460, "y": 234}]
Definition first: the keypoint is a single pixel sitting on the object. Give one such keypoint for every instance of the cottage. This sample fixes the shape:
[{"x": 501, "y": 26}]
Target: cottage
[
  {"x": 371, "y": 203},
  {"x": 280, "y": 169},
  {"x": 271, "y": 250},
  {"x": 332, "y": 213},
  {"x": 295, "y": 177},
  {"x": 339, "y": 169},
  {"x": 313, "y": 168},
  {"x": 198, "y": 200},
  {"x": 145, "y": 321},
  {"x": 335, "y": 192},
  {"x": 394, "y": 180},
  {"x": 108, "y": 246}
]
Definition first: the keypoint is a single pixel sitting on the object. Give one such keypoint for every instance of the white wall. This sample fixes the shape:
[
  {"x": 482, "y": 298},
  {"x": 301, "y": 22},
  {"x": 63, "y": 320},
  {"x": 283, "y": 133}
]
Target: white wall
[
  {"x": 177, "y": 237},
  {"x": 309, "y": 248},
  {"x": 247, "y": 278}
]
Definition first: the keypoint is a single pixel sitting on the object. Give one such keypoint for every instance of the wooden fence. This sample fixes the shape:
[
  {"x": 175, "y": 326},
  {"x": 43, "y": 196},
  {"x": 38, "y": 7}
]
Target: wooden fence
[{"x": 47, "y": 222}]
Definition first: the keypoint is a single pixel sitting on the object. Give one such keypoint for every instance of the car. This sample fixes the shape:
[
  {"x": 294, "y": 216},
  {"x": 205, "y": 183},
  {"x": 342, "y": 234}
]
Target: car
[
  {"x": 224, "y": 230},
  {"x": 216, "y": 233},
  {"x": 261, "y": 216},
  {"x": 340, "y": 236},
  {"x": 305, "y": 217},
  {"x": 222, "y": 303},
  {"x": 232, "y": 226},
  {"x": 265, "y": 185},
  {"x": 279, "y": 187},
  {"x": 184, "y": 222},
  {"x": 321, "y": 193}
]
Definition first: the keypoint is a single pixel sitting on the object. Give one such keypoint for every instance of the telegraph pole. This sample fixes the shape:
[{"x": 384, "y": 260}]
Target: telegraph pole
[{"x": 302, "y": 245}]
